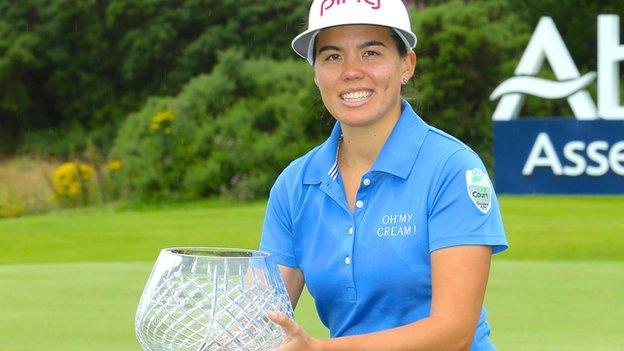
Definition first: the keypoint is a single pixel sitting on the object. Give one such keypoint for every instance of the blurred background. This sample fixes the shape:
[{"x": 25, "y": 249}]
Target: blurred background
[{"x": 128, "y": 126}]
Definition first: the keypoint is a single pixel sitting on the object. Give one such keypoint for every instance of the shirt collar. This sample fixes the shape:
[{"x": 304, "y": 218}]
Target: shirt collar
[
  {"x": 401, "y": 149},
  {"x": 396, "y": 157},
  {"x": 323, "y": 163}
]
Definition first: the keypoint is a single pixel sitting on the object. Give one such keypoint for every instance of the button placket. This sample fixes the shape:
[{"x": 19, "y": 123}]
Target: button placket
[
  {"x": 348, "y": 260},
  {"x": 357, "y": 216},
  {"x": 351, "y": 239},
  {"x": 363, "y": 191}
]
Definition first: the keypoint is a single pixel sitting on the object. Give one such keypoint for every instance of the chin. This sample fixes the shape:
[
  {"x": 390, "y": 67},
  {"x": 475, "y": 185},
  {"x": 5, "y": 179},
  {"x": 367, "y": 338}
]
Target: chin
[{"x": 357, "y": 120}]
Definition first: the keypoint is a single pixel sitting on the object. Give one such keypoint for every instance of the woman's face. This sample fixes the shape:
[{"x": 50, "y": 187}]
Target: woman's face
[{"x": 359, "y": 72}]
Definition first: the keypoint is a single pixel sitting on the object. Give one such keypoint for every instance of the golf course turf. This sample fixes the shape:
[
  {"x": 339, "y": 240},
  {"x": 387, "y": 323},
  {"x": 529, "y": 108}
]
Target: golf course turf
[{"x": 70, "y": 280}]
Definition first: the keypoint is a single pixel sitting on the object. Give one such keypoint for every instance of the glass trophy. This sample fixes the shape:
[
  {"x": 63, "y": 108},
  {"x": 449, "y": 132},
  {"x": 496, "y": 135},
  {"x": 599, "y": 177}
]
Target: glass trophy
[{"x": 204, "y": 299}]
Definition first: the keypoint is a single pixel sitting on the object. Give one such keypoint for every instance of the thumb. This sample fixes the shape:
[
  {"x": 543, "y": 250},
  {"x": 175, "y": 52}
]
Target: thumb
[{"x": 289, "y": 326}]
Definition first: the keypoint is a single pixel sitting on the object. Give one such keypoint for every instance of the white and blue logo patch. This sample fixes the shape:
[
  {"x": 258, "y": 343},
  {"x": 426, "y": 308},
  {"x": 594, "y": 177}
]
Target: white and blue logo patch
[{"x": 479, "y": 189}]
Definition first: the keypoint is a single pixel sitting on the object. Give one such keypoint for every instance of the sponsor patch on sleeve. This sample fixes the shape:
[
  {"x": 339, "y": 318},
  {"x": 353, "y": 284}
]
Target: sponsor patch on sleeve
[{"x": 479, "y": 189}]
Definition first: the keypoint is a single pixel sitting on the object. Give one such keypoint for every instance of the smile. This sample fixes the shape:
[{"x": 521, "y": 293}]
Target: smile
[{"x": 356, "y": 96}]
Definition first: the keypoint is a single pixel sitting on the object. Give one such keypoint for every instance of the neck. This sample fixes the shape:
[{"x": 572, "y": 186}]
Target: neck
[{"x": 361, "y": 144}]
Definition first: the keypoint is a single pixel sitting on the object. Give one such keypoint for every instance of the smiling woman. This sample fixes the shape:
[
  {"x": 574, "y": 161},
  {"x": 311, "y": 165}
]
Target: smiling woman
[
  {"x": 381, "y": 221},
  {"x": 359, "y": 73}
]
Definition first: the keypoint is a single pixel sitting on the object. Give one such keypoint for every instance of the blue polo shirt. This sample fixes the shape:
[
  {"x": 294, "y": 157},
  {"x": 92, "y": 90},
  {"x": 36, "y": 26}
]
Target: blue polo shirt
[{"x": 370, "y": 269}]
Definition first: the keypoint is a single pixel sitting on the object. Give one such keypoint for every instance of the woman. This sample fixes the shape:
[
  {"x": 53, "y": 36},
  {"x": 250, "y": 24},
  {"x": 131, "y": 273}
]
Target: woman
[{"x": 390, "y": 223}]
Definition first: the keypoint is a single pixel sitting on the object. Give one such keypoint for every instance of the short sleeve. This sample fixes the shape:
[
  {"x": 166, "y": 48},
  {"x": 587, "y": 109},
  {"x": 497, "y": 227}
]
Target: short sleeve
[
  {"x": 277, "y": 236},
  {"x": 465, "y": 210}
]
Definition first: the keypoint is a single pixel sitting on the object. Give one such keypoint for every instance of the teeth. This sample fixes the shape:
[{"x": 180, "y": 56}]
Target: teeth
[{"x": 356, "y": 96}]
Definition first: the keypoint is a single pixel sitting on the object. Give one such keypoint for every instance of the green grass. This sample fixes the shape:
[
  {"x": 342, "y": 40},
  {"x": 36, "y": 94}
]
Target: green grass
[
  {"x": 90, "y": 306},
  {"x": 544, "y": 305},
  {"x": 564, "y": 228},
  {"x": 83, "y": 306},
  {"x": 105, "y": 234},
  {"x": 71, "y": 280}
]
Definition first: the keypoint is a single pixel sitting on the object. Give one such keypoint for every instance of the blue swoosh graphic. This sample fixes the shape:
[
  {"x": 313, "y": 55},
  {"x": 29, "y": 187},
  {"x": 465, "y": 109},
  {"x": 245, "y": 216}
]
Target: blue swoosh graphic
[{"x": 542, "y": 88}]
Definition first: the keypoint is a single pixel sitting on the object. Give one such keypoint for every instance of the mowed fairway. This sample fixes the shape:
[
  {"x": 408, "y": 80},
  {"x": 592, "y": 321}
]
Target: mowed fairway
[{"x": 71, "y": 280}]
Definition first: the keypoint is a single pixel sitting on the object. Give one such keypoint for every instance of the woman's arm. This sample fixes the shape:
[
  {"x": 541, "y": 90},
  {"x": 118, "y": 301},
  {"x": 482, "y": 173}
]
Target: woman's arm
[
  {"x": 459, "y": 278},
  {"x": 293, "y": 280}
]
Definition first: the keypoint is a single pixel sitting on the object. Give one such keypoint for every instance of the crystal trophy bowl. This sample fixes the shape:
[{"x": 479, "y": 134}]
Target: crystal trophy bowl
[{"x": 203, "y": 299}]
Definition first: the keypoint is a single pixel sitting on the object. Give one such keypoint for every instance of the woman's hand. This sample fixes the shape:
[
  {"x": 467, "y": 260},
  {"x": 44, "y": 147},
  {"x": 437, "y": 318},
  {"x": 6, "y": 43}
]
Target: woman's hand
[{"x": 296, "y": 338}]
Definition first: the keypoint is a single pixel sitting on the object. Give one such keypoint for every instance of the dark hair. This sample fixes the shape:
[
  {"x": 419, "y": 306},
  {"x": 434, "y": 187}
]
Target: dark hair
[{"x": 400, "y": 44}]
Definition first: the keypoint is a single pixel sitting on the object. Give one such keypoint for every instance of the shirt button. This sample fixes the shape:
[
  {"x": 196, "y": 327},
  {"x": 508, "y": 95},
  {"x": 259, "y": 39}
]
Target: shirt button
[
  {"x": 366, "y": 182},
  {"x": 347, "y": 260},
  {"x": 351, "y": 230},
  {"x": 359, "y": 204}
]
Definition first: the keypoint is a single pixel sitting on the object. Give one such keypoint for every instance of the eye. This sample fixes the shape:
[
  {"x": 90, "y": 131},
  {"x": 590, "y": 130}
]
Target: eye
[
  {"x": 370, "y": 53},
  {"x": 332, "y": 57}
]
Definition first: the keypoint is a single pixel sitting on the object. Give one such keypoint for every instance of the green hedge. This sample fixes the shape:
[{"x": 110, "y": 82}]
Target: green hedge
[
  {"x": 238, "y": 127},
  {"x": 90, "y": 63},
  {"x": 74, "y": 70},
  {"x": 464, "y": 51},
  {"x": 233, "y": 131}
]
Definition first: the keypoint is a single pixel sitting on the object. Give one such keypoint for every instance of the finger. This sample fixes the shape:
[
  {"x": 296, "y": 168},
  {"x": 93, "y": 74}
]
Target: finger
[{"x": 289, "y": 326}]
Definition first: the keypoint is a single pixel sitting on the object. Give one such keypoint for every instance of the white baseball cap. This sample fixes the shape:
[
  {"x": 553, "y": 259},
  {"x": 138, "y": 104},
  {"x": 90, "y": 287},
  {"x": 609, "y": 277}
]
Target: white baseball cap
[{"x": 330, "y": 13}]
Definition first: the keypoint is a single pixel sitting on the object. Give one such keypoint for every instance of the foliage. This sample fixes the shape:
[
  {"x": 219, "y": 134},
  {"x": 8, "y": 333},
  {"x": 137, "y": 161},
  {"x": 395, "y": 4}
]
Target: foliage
[
  {"x": 72, "y": 182},
  {"x": 229, "y": 132},
  {"x": 71, "y": 73},
  {"x": 464, "y": 51},
  {"x": 110, "y": 180},
  {"x": 92, "y": 62},
  {"x": 66, "y": 142}
]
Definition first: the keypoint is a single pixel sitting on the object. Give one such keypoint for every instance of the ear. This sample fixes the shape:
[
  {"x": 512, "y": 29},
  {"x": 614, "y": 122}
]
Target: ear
[
  {"x": 316, "y": 79},
  {"x": 409, "y": 64}
]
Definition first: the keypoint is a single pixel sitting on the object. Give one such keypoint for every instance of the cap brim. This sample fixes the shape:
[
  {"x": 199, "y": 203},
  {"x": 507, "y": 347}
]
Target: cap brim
[
  {"x": 303, "y": 42},
  {"x": 409, "y": 38}
]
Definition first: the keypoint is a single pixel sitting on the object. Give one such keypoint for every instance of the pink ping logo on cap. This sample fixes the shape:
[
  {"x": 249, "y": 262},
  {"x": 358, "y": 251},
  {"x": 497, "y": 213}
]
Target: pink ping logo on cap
[{"x": 328, "y": 4}]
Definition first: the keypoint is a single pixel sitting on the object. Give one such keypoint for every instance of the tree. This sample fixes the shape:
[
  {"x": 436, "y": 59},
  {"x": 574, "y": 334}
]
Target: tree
[
  {"x": 464, "y": 50},
  {"x": 89, "y": 63}
]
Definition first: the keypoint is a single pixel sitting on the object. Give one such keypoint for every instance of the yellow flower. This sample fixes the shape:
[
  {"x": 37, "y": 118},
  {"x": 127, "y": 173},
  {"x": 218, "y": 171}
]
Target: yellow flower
[
  {"x": 70, "y": 178},
  {"x": 165, "y": 116},
  {"x": 73, "y": 189},
  {"x": 114, "y": 165},
  {"x": 86, "y": 172}
]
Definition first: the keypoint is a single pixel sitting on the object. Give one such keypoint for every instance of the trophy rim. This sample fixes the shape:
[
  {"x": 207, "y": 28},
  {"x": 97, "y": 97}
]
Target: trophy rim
[{"x": 215, "y": 252}]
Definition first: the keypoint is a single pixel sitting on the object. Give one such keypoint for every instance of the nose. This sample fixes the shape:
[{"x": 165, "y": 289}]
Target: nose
[{"x": 352, "y": 69}]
